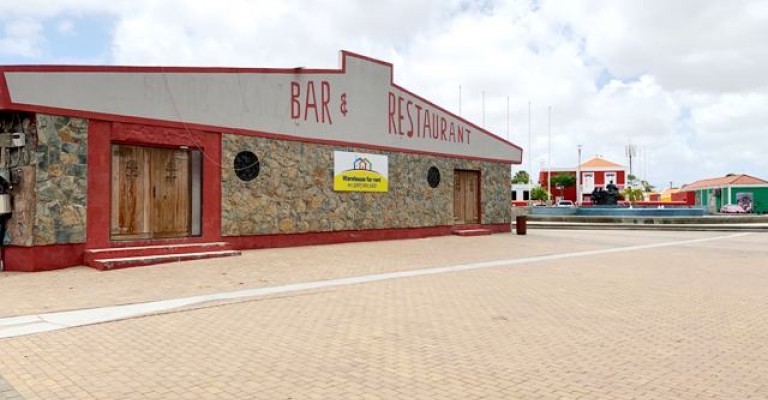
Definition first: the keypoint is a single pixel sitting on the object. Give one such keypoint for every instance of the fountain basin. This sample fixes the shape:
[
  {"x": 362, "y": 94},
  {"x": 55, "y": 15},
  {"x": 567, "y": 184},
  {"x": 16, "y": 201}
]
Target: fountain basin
[{"x": 619, "y": 211}]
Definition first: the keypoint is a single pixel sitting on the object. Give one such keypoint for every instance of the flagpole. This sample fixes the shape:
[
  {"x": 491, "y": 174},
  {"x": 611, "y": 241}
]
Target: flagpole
[
  {"x": 549, "y": 167},
  {"x": 530, "y": 146}
]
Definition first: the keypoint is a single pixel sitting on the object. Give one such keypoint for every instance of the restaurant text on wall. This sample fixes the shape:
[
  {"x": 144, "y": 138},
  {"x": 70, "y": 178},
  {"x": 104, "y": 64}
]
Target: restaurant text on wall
[{"x": 414, "y": 119}]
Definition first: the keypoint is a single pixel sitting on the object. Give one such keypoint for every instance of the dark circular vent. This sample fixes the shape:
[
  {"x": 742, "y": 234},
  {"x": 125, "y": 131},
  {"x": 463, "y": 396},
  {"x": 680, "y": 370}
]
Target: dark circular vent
[
  {"x": 246, "y": 166},
  {"x": 433, "y": 177}
]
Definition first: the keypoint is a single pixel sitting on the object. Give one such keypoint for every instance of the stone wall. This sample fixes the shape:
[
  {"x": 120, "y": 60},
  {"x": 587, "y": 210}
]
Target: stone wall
[
  {"x": 61, "y": 177},
  {"x": 294, "y": 191}
]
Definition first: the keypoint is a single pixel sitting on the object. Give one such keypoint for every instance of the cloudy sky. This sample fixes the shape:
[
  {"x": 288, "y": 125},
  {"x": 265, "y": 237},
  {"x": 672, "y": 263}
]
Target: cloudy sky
[{"x": 685, "y": 81}]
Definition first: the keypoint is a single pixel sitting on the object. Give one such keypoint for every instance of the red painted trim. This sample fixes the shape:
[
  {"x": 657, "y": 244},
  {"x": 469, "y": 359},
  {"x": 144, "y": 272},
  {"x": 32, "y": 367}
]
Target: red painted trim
[
  {"x": 162, "y": 69},
  {"x": 5, "y": 97},
  {"x": 179, "y": 69},
  {"x": 317, "y": 238},
  {"x": 182, "y": 125},
  {"x": 365, "y": 146},
  {"x": 43, "y": 258},
  {"x": 103, "y": 134},
  {"x": 47, "y": 258},
  {"x": 347, "y": 53},
  {"x": 294, "y": 71},
  {"x": 99, "y": 207}
]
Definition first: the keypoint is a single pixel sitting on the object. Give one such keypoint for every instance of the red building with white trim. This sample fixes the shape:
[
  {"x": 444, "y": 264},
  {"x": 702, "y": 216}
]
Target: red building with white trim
[{"x": 596, "y": 172}]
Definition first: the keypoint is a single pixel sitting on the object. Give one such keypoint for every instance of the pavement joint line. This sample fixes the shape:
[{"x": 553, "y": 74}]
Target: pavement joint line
[
  {"x": 39, "y": 323},
  {"x": 7, "y": 391}
]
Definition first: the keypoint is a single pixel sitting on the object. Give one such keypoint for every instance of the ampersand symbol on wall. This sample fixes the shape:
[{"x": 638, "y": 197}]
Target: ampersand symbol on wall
[{"x": 343, "y": 106}]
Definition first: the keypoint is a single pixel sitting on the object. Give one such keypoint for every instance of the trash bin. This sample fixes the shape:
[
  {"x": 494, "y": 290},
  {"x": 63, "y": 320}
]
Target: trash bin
[{"x": 520, "y": 225}]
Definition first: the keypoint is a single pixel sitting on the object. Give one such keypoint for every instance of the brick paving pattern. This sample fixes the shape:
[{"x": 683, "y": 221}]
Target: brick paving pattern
[
  {"x": 7, "y": 392},
  {"x": 682, "y": 322}
]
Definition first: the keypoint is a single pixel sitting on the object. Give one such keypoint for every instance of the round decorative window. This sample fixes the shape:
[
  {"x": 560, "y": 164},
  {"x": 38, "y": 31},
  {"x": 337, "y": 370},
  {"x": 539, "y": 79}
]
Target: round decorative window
[
  {"x": 246, "y": 166},
  {"x": 433, "y": 177}
]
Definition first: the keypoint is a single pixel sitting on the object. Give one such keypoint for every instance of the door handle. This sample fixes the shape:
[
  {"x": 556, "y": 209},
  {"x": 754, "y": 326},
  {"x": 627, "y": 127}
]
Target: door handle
[{"x": 154, "y": 192}]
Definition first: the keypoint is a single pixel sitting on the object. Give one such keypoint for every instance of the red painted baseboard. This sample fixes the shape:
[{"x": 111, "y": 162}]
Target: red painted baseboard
[
  {"x": 47, "y": 258},
  {"x": 43, "y": 258},
  {"x": 315, "y": 238}
]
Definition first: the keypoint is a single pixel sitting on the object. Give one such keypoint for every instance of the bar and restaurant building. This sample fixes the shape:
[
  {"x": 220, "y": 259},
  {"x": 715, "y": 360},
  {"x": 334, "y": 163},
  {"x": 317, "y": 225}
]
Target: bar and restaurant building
[{"x": 123, "y": 162}]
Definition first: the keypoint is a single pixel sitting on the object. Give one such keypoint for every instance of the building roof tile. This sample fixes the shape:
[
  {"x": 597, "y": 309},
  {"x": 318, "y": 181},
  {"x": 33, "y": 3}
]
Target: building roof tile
[
  {"x": 729, "y": 180},
  {"x": 599, "y": 162}
]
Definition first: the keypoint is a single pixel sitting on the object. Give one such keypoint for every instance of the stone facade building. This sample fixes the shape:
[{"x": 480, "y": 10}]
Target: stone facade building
[{"x": 168, "y": 163}]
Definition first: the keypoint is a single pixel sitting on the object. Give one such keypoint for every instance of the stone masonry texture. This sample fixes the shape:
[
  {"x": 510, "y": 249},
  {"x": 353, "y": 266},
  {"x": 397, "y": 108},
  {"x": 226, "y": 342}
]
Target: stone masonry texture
[
  {"x": 294, "y": 191},
  {"x": 61, "y": 160}
]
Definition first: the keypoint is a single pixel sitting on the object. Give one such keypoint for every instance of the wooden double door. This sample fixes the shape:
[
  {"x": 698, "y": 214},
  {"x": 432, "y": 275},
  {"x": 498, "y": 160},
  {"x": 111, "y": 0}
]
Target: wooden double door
[
  {"x": 151, "y": 193},
  {"x": 466, "y": 197}
]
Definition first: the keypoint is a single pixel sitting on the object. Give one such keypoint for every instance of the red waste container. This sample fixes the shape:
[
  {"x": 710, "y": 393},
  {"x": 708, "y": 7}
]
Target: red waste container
[{"x": 520, "y": 225}]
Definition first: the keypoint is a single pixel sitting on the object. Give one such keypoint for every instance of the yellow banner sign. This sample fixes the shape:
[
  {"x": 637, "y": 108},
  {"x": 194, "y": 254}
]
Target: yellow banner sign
[{"x": 360, "y": 172}]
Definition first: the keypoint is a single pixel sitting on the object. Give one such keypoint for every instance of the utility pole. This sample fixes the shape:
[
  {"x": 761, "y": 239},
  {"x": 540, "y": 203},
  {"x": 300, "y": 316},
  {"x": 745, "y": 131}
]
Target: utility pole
[
  {"x": 507, "y": 117},
  {"x": 631, "y": 151},
  {"x": 459, "y": 100},
  {"x": 549, "y": 167}
]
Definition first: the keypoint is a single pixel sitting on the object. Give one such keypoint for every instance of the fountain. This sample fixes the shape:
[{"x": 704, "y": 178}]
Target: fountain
[{"x": 605, "y": 203}]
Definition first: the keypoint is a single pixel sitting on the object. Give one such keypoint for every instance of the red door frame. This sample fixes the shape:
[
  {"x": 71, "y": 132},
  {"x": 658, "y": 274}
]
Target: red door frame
[{"x": 101, "y": 135}]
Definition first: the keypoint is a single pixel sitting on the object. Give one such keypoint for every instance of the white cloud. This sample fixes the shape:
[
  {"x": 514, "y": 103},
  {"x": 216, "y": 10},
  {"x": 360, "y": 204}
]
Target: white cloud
[
  {"x": 22, "y": 37},
  {"x": 707, "y": 45},
  {"x": 66, "y": 27},
  {"x": 684, "y": 81}
]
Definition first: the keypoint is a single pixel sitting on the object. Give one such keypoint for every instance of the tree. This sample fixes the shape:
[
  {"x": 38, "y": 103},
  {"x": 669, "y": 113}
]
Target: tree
[
  {"x": 633, "y": 194},
  {"x": 520, "y": 177},
  {"x": 631, "y": 180},
  {"x": 563, "y": 180},
  {"x": 539, "y": 193},
  {"x": 647, "y": 187}
]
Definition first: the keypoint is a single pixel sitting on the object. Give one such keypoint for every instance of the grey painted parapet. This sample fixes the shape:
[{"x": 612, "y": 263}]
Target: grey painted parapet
[{"x": 358, "y": 104}]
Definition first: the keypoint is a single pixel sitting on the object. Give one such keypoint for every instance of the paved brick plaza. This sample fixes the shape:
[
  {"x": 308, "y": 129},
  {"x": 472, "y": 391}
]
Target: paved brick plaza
[{"x": 678, "y": 316}]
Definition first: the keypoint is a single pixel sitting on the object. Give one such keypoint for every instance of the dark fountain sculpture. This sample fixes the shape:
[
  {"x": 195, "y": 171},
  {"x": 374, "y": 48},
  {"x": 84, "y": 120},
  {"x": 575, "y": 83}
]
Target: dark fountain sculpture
[{"x": 605, "y": 197}]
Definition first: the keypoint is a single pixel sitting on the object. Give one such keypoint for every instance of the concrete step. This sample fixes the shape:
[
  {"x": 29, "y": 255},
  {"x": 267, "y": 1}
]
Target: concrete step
[
  {"x": 154, "y": 250},
  {"x": 120, "y": 257},
  {"x": 136, "y": 261},
  {"x": 472, "y": 232}
]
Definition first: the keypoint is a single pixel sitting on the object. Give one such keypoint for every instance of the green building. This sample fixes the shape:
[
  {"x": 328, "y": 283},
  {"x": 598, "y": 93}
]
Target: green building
[{"x": 746, "y": 191}]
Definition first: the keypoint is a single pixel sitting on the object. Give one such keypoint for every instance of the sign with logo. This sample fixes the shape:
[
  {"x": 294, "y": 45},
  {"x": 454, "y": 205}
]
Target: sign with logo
[{"x": 360, "y": 172}]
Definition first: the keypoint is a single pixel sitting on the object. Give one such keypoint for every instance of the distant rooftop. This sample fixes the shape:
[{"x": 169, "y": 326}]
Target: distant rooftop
[
  {"x": 599, "y": 162},
  {"x": 729, "y": 180}
]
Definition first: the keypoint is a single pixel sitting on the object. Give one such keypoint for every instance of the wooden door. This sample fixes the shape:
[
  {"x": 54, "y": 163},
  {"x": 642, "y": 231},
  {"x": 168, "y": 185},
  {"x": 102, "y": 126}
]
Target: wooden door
[
  {"x": 130, "y": 213},
  {"x": 466, "y": 198},
  {"x": 170, "y": 193},
  {"x": 150, "y": 193}
]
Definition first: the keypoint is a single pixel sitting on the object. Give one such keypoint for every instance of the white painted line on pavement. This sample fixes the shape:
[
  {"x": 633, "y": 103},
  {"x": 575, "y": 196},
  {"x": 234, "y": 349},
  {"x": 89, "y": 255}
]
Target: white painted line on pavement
[{"x": 37, "y": 323}]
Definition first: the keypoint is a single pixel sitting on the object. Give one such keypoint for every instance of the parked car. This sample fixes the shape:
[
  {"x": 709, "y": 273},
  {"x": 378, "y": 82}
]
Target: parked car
[
  {"x": 565, "y": 203},
  {"x": 732, "y": 209}
]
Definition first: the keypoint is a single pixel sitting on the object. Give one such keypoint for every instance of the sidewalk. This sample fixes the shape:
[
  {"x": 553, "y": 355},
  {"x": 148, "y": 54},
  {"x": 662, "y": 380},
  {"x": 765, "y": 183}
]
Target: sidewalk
[{"x": 553, "y": 315}]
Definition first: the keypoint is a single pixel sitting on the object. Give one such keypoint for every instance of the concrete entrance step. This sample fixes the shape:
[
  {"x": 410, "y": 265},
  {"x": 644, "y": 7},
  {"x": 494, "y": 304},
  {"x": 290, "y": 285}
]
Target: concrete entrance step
[
  {"x": 147, "y": 255},
  {"x": 125, "y": 262}
]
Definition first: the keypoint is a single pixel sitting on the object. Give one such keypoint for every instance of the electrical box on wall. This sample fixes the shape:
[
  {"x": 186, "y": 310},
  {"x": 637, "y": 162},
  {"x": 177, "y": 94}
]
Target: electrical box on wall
[
  {"x": 15, "y": 139},
  {"x": 18, "y": 139}
]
